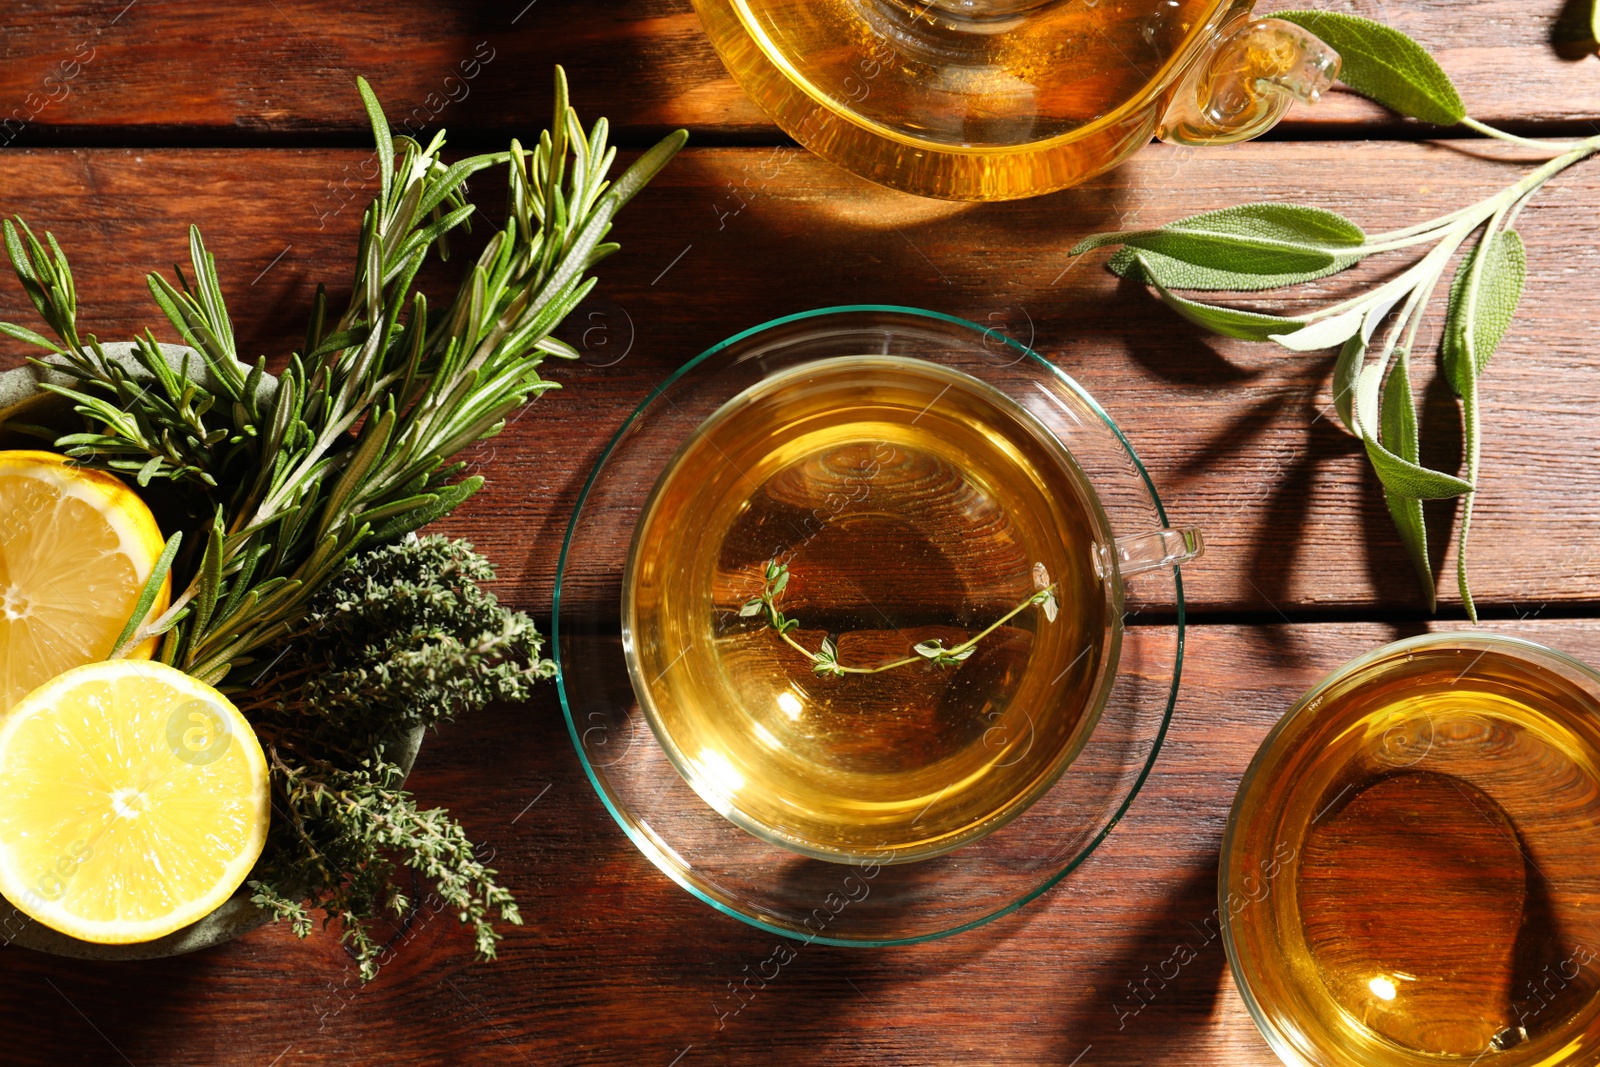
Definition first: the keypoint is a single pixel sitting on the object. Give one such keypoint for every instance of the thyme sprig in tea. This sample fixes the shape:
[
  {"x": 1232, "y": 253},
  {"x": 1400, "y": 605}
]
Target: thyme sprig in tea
[
  {"x": 825, "y": 660},
  {"x": 1255, "y": 247}
]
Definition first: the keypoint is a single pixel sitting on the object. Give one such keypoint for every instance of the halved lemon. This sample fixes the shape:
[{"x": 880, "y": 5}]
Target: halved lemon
[
  {"x": 76, "y": 547},
  {"x": 133, "y": 801}
]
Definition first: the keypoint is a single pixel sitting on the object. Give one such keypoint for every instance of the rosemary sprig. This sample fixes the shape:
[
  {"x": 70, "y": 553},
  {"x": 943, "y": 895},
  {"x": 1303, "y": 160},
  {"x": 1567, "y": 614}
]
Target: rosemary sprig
[
  {"x": 825, "y": 661},
  {"x": 354, "y": 448},
  {"x": 1265, "y": 246},
  {"x": 301, "y": 498}
]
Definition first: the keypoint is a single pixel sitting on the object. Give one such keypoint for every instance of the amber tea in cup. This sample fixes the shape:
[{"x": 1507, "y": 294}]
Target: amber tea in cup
[
  {"x": 909, "y": 504},
  {"x": 1412, "y": 866},
  {"x": 997, "y": 99}
]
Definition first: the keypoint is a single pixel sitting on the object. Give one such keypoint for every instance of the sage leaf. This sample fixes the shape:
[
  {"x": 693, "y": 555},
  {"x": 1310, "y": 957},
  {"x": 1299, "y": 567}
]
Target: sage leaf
[
  {"x": 1385, "y": 65},
  {"x": 1345, "y": 374},
  {"x": 1399, "y": 434},
  {"x": 1248, "y": 239},
  {"x": 1324, "y": 334},
  {"x": 1489, "y": 293},
  {"x": 1483, "y": 297},
  {"x": 1408, "y": 478},
  {"x": 1229, "y": 322},
  {"x": 1142, "y": 265}
]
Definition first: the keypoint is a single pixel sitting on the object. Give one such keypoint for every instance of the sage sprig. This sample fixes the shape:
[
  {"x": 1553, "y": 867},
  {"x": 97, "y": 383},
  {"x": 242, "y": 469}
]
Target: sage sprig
[
  {"x": 825, "y": 660},
  {"x": 1257, "y": 247}
]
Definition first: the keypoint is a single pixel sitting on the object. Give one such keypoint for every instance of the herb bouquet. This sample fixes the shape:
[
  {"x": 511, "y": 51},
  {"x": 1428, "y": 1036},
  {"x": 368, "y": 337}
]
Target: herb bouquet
[{"x": 301, "y": 590}]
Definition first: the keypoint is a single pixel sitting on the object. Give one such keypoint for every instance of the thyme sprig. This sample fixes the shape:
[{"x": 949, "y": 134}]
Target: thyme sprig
[
  {"x": 355, "y": 446},
  {"x": 825, "y": 660},
  {"x": 404, "y": 637},
  {"x": 1256, "y": 247}
]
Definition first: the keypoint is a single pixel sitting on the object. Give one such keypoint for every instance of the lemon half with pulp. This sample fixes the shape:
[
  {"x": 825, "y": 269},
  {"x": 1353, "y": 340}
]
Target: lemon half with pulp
[
  {"x": 76, "y": 547},
  {"x": 134, "y": 800}
]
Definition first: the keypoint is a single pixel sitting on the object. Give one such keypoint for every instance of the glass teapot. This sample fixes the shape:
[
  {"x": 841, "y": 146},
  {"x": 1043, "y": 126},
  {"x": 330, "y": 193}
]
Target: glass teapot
[{"x": 1000, "y": 99}]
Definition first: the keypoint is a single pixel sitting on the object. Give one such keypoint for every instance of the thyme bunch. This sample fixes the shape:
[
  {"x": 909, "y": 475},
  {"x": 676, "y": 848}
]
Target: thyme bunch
[{"x": 404, "y": 637}]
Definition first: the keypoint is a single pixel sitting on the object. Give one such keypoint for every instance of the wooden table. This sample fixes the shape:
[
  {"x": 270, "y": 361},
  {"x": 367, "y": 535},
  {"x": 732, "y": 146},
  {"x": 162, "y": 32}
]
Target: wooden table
[{"x": 244, "y": 119}]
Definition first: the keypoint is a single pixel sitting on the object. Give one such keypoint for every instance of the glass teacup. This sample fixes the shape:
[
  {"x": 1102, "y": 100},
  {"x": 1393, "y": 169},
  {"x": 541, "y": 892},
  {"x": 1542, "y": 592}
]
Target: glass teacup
[
  {"x": 873, "y": 607},
  {"x": 788, "y": 878}
]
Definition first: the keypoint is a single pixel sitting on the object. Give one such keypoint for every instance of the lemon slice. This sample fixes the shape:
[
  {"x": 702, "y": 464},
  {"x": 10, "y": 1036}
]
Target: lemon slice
[
  {"x": 76, "y": 547},
  {"x": 133, "y": 801}
]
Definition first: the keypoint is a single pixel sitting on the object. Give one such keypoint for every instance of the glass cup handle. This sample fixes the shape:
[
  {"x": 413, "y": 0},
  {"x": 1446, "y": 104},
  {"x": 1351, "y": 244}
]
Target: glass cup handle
[{"x": 1139, "y": 553}]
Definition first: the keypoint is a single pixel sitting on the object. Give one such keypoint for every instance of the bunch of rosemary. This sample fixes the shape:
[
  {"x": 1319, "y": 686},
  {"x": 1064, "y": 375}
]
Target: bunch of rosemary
[
  {"x": 297, "y": 489},
  {"x": 1256, "y": 247}
]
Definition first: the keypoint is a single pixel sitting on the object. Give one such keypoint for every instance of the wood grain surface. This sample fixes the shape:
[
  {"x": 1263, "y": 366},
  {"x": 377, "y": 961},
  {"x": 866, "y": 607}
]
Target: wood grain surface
[
  {"x": 124, "y": 122},
  {"x": 1239, "y": 438},
  {"x": 617, "y": 965},
  {"x": 194, "y": 72}
]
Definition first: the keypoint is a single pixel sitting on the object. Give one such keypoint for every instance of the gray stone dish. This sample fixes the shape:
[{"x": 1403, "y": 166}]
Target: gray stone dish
[{"x": 22, "y": 400}]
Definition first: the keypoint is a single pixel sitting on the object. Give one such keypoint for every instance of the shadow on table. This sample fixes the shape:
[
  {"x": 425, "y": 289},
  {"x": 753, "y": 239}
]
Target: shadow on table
[
  {"x": 1146, "y": 1001},
  {"x": 1572, "y": 33}
]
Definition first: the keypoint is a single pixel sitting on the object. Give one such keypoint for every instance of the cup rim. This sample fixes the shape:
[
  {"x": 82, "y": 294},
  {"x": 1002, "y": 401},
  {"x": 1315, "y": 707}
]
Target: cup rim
[
  {"x": 1105, "y": 564},
  {"x": 648, "y": 847},
  {"x": 1520, "y": 647}
]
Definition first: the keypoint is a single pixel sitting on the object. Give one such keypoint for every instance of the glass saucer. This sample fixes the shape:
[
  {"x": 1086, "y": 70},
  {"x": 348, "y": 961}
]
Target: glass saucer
[{"x": 857, "y": 900}]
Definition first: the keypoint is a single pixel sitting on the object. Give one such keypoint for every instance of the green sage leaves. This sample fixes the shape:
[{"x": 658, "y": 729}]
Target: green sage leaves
[
  {"x": 1387, "y": 66},
  {"x": 1483, "y": 300},
  {"x": 1400, "y": 435},
  {"x": 1229, "y": 322},
  {"x": 1256, "y": 247},
  {"x": 1249, "y": 239}
]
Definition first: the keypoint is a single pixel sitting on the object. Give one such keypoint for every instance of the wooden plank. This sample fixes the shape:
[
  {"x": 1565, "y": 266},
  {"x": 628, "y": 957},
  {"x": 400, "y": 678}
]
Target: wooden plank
[
  {"x": 191, "y": 71},
  {"x": 618, "y": 965},
  {"x": 1239, "y": 438}
]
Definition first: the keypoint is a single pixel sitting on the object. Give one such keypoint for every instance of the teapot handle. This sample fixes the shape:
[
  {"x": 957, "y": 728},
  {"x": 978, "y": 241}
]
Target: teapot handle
[{"x": 1255, "y": 69}]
